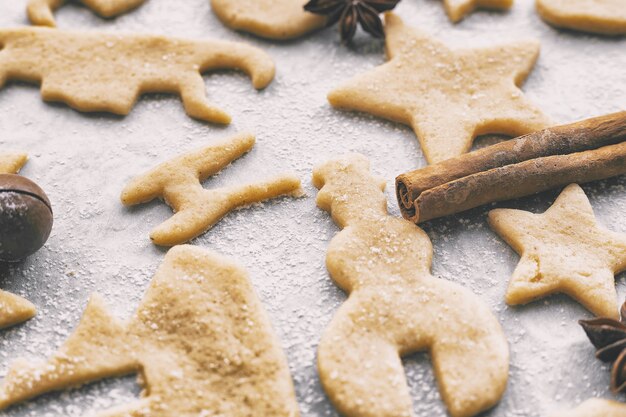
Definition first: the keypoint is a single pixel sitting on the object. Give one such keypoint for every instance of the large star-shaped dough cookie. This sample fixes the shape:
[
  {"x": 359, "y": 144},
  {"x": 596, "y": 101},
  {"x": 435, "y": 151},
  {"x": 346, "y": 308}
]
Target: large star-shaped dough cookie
[
  {"x": 448, "y": 96},
  {"x": 458, "y": 9},
  {"x": 13, "y": 309},
  {"x": 563, "y": 251}
]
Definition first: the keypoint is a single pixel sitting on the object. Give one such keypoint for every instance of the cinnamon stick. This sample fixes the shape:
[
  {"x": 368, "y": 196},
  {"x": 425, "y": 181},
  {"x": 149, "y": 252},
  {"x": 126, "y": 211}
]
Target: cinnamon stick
[{"x": 581, "y": 152}]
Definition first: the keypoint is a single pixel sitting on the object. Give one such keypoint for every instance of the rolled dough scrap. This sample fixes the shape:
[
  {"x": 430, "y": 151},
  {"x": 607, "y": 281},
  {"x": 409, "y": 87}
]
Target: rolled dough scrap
[
  {"x": 13, "y": 309},
  {"x": 606, "y": 17},
  {"x": 198, "y": 209},
  {"x": 396, "y": 307},
  {"x": 447, "y": 96},
  {"x": 565, "y": 251},
  {"x": 93, "y": 71},
  {"x": 273, "y": 19},
  {"x": 595, "y": 408},
  {"x": 200, "y": 340},
  {"x": 458, "y": 9},
  {"x": 40, "y": 11}
]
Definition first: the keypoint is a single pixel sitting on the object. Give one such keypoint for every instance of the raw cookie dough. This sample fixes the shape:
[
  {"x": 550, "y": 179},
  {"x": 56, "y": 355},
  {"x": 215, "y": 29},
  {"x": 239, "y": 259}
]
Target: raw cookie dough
[
  {"x": 396, "y": 307},
  {"x": 458, "y": 9},
  {"x": 563, "y": 251},
  {"x": 99, "y": 71},
  {"x": 200, "y": 340},
  {"x": 197, "y": 209},
  {"x": 13, "y": 309},
  {"x": 273, "y": 19},
  {"x": 606, "y": 17},
  {"x": 40, "y": 11},
  {"x": 595, "y": 408},
  {"x": 448, "y": 96}
]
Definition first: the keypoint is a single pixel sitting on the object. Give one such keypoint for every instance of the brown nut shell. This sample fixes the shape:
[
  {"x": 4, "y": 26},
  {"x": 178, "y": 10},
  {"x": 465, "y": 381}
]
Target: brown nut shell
[{"x": 25, "y": 217}]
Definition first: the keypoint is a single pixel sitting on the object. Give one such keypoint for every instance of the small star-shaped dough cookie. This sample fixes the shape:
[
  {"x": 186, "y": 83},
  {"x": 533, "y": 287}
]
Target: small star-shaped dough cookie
[
  {"x": 563, "y": 251},
  {"x": 448, "y": 96},
  {"x": 606, "y": 17},
  {"x": 458, "y": 9}
]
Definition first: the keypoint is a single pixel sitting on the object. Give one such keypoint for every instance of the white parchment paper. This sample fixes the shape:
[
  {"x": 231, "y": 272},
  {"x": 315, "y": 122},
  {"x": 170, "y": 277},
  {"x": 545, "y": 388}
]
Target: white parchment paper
[{"x": 97, "y": 245}]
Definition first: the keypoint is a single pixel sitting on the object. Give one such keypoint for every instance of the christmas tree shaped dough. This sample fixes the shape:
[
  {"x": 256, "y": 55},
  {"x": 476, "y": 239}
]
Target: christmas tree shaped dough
[
  {"x": 396, "y": 307},
  {"x": 448, "y": 96},
  {"x": 93, "y": 71},
  {"x": 200, "y": 340},
  {"x": 13, "y": 309},
  {"x": 40, "y": 11},
  {"x": 563, "y": 251},
  {"x": 606, "y": 17},
  {"x": 595, "y": 408},
  {"x": 198, "y": 209},
  {"x": 273, "y": 19},
  {"x": 458, "y": 9}
]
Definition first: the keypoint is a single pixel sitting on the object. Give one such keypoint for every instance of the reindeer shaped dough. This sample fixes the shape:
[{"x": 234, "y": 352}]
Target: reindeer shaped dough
[
  {"x": 93, "y": 71},
  {"x": 13, "y": 309},
  {"x": 200, "y": 339},
  {"x": 198, "y": 209},
  {"x": 396, "y": 307},
  {"x": 40, "y": 11}
]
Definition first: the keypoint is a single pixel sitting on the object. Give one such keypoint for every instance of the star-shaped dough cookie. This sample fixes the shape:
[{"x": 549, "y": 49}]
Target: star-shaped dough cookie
[
  {"x": 40, "y": 11},
  {"x": 563, "y": 251},
  {"x": 13, "y": 309},
  {"x": 606, "y": 17},
  {"x": 448, "y": 96},
  {"x": 458, "y": 9}
]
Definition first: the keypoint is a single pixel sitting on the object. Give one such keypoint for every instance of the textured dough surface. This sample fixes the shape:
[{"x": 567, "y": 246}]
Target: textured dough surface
[
  {"x": 93, "y": 71},
  {"x": 273, "y": 19},
  {"x": 447, "y": 96},
  {"x": 396, "y": 307},
  {"x": 200, "y": 339},
  {"x": 198, "y": 209},
  {"x": 606, "y": 17},
  {"x": 13, "y": 309},
  {"x": 595, "y": 408},
  {"x": 563, "y": 250},
  {"x": 458, "y": 9},
  {"x": 40, "y": 11}
]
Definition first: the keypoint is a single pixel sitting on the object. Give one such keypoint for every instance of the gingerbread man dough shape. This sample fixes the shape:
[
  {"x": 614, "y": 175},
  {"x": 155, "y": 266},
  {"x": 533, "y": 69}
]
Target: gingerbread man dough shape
[
  {"x": 200, "y": 339},
  {"x": 40, "y": 11},
  {"x": 447, "y": 96},
  {"x": 595, "y": 408},
  {"x": 458, "y": 9},
  {"x": 13, "y": 309},
  {"x": 563, "y": 250},
  {"x": 605, "y": 17},
  {"x": 396, "y": 307},
  {"x": 198, "y": 209},
  {"x": 272, "y": 19},
  {"x": 93, "y": 71}
]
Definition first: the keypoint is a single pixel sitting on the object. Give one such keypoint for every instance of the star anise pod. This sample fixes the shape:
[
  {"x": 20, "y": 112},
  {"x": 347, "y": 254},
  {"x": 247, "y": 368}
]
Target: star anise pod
[
  {"x": 351, "y": 12},
  {"x": 609, "y": 338}
]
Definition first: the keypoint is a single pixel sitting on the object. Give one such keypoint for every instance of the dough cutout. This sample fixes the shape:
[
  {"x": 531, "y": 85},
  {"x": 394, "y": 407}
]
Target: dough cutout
[
  {"x": 396, "y": 307},
  {"x": 563, "y": 250},
  {"x": 604, "y": 17},
  {"x": 13, "y": 309},
  {"x": 40, "y": 11},
  {"x": 447, "y": 96},
  {"x": 595, "y": 408},
  {"x": 200, "y": 340},
  {"x": 197, "y": 209},
  {"x": 458, "y": 9},
  {"x": 272, "y": 19},
  {"x": 100, "y": 71}
]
